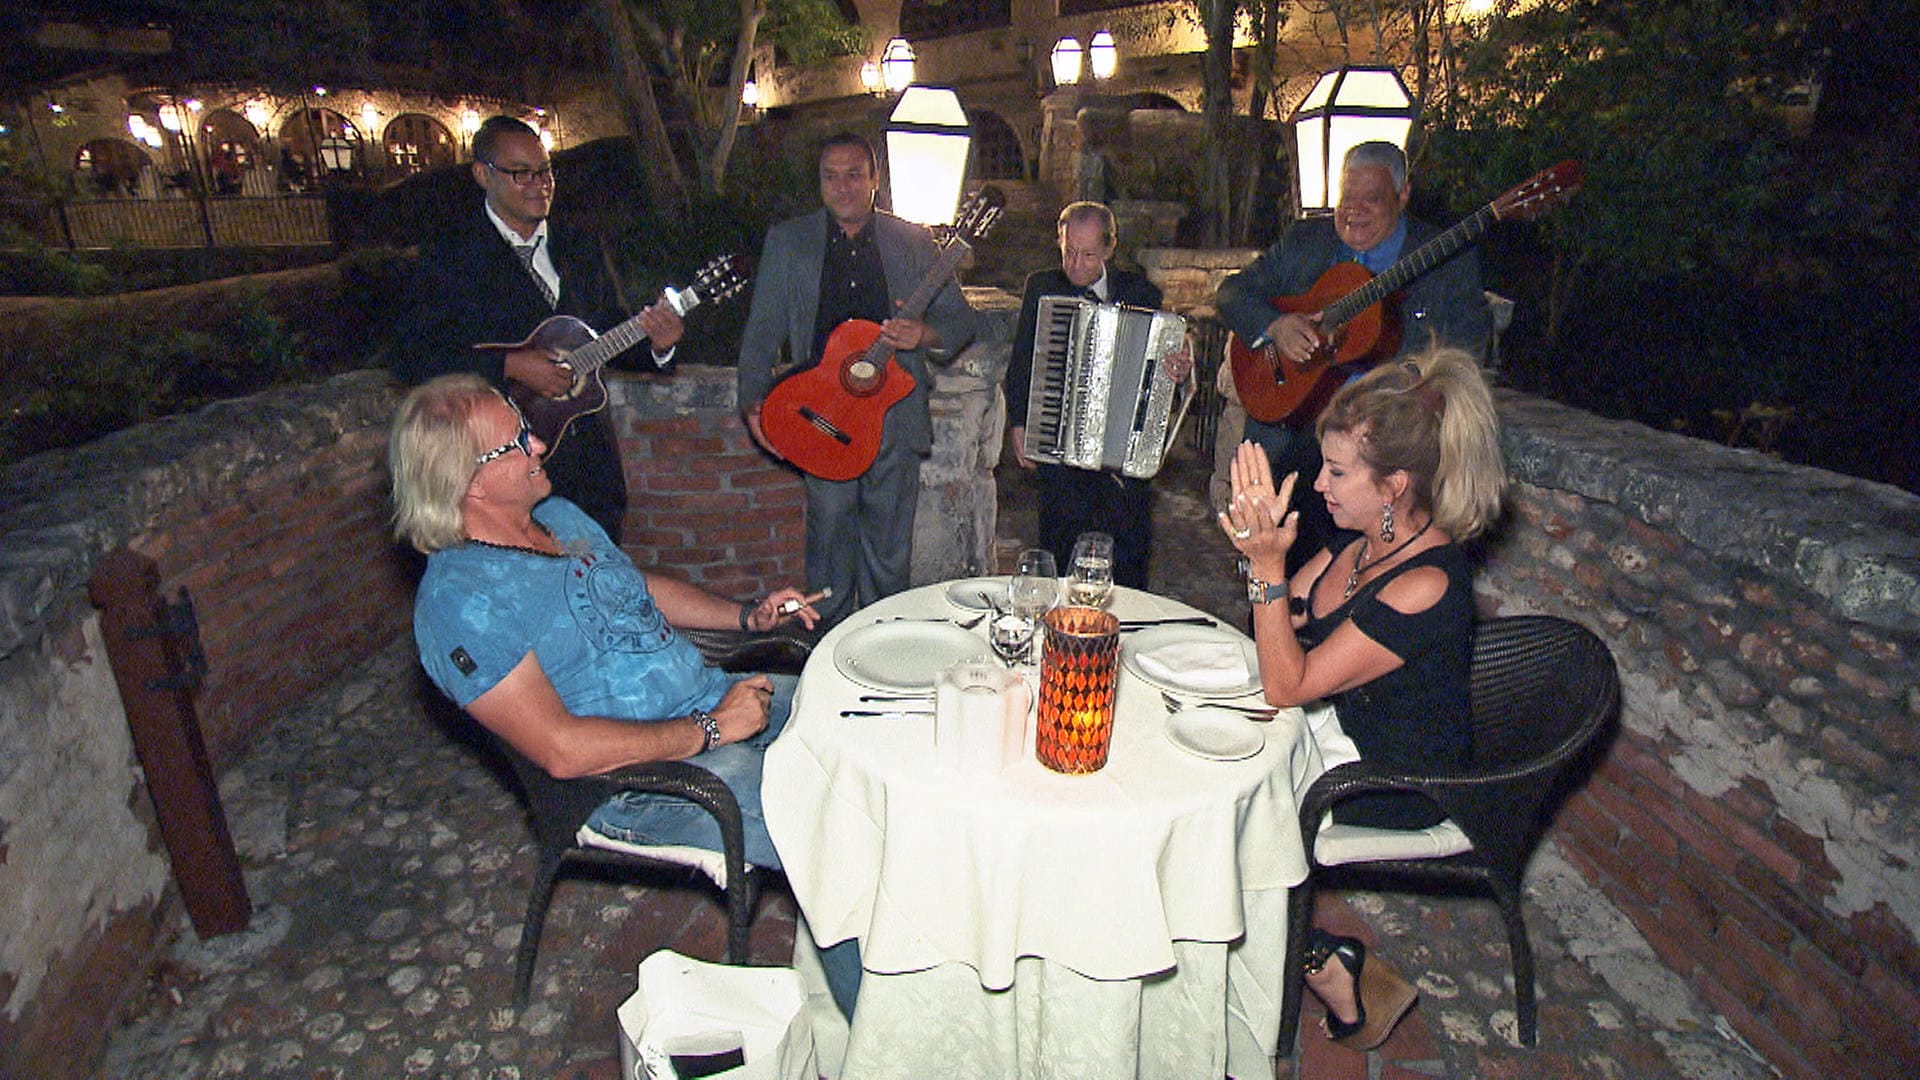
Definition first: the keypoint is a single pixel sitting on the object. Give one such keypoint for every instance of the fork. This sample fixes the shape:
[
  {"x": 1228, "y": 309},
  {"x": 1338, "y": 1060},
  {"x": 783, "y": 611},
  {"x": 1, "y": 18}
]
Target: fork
[
  {"x": 964, "y": 624},
  {"x": 1174, "y": 705}
]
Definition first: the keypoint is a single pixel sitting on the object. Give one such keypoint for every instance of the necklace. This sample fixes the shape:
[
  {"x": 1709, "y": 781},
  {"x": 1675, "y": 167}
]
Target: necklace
[
  {"x": 522, "y": 547},
  {"x": 1361, "y": 564}
]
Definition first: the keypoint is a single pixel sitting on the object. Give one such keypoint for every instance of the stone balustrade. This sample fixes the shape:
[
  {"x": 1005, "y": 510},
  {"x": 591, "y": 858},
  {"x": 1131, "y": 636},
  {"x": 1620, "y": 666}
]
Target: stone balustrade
[{"x": 1755, "y": 816}]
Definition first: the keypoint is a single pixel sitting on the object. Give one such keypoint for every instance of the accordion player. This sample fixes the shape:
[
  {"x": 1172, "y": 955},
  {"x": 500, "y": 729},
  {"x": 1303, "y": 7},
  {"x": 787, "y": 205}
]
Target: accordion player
[{"x": 1100, "y": 398}]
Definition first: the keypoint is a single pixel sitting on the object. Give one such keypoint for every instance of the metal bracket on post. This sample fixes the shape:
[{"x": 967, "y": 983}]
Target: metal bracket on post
[{"x": 179, "y": 621}]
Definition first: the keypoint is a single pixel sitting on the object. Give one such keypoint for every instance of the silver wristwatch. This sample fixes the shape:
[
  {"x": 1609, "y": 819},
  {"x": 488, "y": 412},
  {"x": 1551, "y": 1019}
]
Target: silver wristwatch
[{"x": 709, "y": 725}]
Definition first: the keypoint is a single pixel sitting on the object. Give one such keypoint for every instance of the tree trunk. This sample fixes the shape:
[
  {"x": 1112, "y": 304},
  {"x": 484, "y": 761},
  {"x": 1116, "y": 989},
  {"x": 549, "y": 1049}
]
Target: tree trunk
[
  {"x": 1216, "y": 76},
  {"x": 666, "y": 187},
  {"x": 751, "y": 12}
]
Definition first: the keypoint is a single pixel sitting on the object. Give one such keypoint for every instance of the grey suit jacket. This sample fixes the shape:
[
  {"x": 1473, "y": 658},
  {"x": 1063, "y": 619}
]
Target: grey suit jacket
[{"x": 786, "y": 295}]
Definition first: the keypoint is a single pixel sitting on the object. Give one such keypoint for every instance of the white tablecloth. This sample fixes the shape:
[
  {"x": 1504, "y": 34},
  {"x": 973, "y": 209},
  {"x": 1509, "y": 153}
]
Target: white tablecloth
[{"x": 1129, "y": 922}]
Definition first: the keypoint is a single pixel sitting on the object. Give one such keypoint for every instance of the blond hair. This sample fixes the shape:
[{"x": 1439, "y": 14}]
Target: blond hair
[
  {"x": 1431, "y": 416},
  {"x": 430, "y": 452}
]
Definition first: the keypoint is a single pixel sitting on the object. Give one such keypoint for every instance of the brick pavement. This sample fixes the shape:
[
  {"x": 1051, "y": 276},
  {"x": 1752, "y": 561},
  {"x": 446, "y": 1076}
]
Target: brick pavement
[{"x": 388, "y": 864}]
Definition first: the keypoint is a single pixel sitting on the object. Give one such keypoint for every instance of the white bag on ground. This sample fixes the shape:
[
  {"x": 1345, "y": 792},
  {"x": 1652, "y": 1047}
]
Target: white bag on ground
[{"x": 696, "y": 1010}]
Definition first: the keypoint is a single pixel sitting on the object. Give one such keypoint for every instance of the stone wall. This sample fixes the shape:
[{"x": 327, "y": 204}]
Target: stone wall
[
  {"x": 271, "y": 512},
  {"x": 1757, "y": 817}
]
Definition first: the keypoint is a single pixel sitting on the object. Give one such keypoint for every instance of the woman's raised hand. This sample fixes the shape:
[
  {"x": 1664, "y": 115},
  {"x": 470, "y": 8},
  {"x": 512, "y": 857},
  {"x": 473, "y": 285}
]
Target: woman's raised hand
[{"x": 1257, "y": 519}]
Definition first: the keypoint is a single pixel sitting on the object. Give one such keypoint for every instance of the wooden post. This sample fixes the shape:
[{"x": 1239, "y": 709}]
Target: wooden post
[{"x": 154, "y": 648}]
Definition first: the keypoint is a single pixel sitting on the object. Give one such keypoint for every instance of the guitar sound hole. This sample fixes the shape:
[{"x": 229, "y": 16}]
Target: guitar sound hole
[{"x": 861, "y": 371}]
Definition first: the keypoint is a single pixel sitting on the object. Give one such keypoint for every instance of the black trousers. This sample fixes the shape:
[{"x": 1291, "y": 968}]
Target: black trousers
[{"x": 1073, "y": 501}]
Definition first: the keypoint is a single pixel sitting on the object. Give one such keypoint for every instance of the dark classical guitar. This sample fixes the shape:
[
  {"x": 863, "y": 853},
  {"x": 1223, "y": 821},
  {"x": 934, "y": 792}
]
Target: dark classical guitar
[
  {"x": 1357, "y": 317},
  {"x": 584, "y": 353},
  {"x": 827, "y": 418}
]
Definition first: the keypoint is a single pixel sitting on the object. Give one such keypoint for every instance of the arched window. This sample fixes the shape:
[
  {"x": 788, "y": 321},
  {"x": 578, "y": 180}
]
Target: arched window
[
  {"x": 111, "y": 166},
  {"x": 232, "y": 148},
  {"x": 416, "y": 142},
  {"x": 996, "y": 149},
  {"x": 317, "y": 143}
]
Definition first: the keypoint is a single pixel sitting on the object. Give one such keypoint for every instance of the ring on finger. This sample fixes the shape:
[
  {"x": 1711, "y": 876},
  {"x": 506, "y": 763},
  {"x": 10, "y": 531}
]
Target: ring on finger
[{"x": 1242, "y": 534}]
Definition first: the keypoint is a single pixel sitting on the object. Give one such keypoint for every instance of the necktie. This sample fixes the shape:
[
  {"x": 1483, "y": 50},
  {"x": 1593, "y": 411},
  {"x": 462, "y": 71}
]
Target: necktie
[
  {"x": 525, "y": 252},
  {"x": 1092, "y": 294}
]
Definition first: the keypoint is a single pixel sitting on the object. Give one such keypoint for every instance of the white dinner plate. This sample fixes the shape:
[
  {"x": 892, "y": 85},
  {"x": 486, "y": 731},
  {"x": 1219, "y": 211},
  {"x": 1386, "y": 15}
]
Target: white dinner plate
[
  {"x": 1213, "y": 733},
  {"x": 1199, "y": 640},
  {"x": 906, "y": 654},
  {"x": 979, "y": 594}
]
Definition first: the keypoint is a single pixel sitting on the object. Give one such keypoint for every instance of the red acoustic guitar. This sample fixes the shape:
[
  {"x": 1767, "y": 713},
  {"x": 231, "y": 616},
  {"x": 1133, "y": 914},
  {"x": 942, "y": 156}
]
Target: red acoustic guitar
[
  {"x": 827, "y": 418},
  {"x": 1357, "y": 320},
  {"x": 579, "y": 349}
]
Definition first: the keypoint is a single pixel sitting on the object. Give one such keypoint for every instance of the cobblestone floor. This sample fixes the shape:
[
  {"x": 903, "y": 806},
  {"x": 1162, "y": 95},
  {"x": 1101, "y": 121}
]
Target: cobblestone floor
[{"x": 388, "y": 864}]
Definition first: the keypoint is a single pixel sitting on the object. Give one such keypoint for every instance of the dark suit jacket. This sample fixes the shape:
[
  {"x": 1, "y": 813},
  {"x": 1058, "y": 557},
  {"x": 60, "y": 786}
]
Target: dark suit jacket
[
  {"x": 470, "y": 289},
  {"x": 1446, "y": 303},
  {"x": 786, "y": 296},
  {"x": 1123, "y": 287}
]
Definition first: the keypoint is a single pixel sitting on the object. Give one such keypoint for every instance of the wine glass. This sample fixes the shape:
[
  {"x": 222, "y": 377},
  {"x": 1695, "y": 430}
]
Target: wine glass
[
  {"x": 1010, "y": 634},
  {"x": 1036, "y": 586},
  {"x": 1090, "y": 579}
]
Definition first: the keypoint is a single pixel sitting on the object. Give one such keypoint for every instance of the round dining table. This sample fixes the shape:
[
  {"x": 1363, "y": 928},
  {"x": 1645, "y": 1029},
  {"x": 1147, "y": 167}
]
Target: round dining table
[{"x": 1026, "y": 923}]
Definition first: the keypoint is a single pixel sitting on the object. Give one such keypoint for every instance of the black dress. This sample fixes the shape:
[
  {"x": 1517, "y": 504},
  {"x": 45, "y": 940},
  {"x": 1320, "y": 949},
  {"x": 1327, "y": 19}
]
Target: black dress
[{"x": 1416, "y": 716}]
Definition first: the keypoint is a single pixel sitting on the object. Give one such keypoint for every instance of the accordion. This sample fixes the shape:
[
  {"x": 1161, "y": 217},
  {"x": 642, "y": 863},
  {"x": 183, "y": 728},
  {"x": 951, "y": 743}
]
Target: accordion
[{"x": 1099, "y": 397}]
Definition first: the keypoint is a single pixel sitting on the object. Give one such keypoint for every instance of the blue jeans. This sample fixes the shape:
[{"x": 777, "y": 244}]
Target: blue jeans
[{"x": 646, "y": 818}]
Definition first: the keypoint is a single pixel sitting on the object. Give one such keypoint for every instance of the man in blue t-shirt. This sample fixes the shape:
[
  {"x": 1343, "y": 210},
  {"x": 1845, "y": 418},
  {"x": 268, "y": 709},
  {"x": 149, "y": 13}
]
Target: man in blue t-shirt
[{"x": 543, "y": 630}]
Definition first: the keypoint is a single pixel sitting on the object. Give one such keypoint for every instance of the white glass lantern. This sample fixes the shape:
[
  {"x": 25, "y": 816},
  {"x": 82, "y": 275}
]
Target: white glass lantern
[
  {"x": 896, "y": 65},
  {"x": 1066, "y": 61},
  {"x": 1347, "y": 107},
  {"x": 927, "y": 141},
  {"x": 1103, "y": 56}
]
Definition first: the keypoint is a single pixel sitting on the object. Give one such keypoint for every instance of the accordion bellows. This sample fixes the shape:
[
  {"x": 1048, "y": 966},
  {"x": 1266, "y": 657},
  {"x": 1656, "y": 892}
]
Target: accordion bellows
[{"x": 1100, "y": 398}]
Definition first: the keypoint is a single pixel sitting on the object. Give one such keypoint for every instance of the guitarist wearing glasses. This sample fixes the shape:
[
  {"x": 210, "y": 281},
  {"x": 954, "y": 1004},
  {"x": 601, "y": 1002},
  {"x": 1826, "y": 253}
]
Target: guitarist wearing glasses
[
  {"x": 495, "y": 278},
  {"x": 848, "y": 261},
  {"x": 1370, "y": 226}
]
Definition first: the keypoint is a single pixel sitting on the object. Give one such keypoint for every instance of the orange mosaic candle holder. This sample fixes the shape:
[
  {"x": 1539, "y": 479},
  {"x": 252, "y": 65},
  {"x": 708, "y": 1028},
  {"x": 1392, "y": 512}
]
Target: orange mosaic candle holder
[{"x": 1079, "y": 674}]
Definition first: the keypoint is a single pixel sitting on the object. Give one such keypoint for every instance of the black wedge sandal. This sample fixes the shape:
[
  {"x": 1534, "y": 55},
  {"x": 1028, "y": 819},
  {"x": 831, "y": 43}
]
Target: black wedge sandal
[{"x": 1381, "y": 995}]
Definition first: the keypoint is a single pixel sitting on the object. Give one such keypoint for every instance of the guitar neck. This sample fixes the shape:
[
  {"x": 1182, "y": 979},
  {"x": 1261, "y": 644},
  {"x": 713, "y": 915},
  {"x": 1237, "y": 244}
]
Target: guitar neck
[
  {"x": 916, "y": 304},
  {"x": 594, "y": 355},
  {"x": 1396, "y": 277}
]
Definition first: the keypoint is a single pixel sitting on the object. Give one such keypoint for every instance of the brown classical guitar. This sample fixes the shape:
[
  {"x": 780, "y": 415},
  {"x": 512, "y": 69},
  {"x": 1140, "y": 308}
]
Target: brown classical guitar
[
  {"x": 827, "y": 418},
  {"x": 576, "y": 347},
  {"x": 1357, "y": 320}
]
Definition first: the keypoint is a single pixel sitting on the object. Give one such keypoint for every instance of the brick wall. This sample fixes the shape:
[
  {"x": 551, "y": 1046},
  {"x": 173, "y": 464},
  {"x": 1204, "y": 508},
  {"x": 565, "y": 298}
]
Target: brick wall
[
  {"x": 1756, "y": 816},
  {"x": 703, "y": 502}
]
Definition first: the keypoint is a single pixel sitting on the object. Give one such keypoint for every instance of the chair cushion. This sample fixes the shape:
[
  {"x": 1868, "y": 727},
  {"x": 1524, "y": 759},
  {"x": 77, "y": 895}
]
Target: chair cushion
[
  {"x": 1338, "y": 845},
  {"x": 711, "y": 863}
]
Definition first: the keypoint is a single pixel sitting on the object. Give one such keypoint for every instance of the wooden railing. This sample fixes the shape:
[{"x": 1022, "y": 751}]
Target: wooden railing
[{"x": 218, "y": 222}]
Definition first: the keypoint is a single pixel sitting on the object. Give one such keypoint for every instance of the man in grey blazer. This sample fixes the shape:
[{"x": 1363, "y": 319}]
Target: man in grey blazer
[{"x": 849, "y": 261}]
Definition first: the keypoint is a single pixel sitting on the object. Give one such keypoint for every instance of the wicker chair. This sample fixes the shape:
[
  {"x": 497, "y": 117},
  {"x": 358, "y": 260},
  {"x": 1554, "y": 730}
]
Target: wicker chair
[
  {"x": 1544, "y": 691},
  {"x": 558, "y": 808}
]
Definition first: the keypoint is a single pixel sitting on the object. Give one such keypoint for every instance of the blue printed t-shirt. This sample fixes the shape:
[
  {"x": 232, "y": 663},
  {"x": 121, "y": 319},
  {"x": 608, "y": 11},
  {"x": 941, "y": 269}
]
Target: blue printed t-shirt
[{"x": 588, "y": 618}]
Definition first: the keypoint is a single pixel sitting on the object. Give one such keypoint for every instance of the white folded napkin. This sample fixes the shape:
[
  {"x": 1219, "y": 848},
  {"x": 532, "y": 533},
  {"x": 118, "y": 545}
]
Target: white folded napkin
[{"x": 1197, "y": 665}]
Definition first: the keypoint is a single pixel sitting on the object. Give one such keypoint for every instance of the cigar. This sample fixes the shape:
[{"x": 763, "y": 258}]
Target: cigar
[{"x": 788, "y": 607}]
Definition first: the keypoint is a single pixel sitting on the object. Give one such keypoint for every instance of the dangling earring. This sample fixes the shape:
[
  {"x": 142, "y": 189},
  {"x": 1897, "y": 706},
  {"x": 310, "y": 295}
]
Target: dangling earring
[{"x": 1386, "y": 523}]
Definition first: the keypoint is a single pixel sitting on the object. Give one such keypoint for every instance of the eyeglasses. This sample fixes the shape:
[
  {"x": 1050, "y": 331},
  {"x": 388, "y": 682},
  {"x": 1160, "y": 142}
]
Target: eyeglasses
[
  {"x": 522, "y": 441},
  {"x": 525, "y": 177}
]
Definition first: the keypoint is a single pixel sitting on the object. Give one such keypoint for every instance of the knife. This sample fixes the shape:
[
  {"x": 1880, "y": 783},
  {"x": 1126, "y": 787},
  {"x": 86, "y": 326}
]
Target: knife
[{"x": 1189, "y": 620}]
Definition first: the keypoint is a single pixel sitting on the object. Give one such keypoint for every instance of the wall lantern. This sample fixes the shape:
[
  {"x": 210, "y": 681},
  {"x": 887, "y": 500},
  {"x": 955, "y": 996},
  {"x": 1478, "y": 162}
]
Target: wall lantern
[
  {"x": 1103, "y": 57},
  {"x": 369, "y": 119},
  {"x": 1348, "y": 106},
  {"x": 896, "y": 65},
  {"x": 750, "y": 94},
  {"x": 1066, "y": 61},
  {"x": 870, "y": 78},
  {"x": 927, "y": 141},
  {"x": 336, "y": 154},
  {"x": 258, "y": 115}
]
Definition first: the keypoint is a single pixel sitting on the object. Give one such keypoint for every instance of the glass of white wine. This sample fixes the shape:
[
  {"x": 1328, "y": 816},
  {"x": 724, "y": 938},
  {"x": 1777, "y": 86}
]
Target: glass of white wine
[{"x": 1090, "y": 577}]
